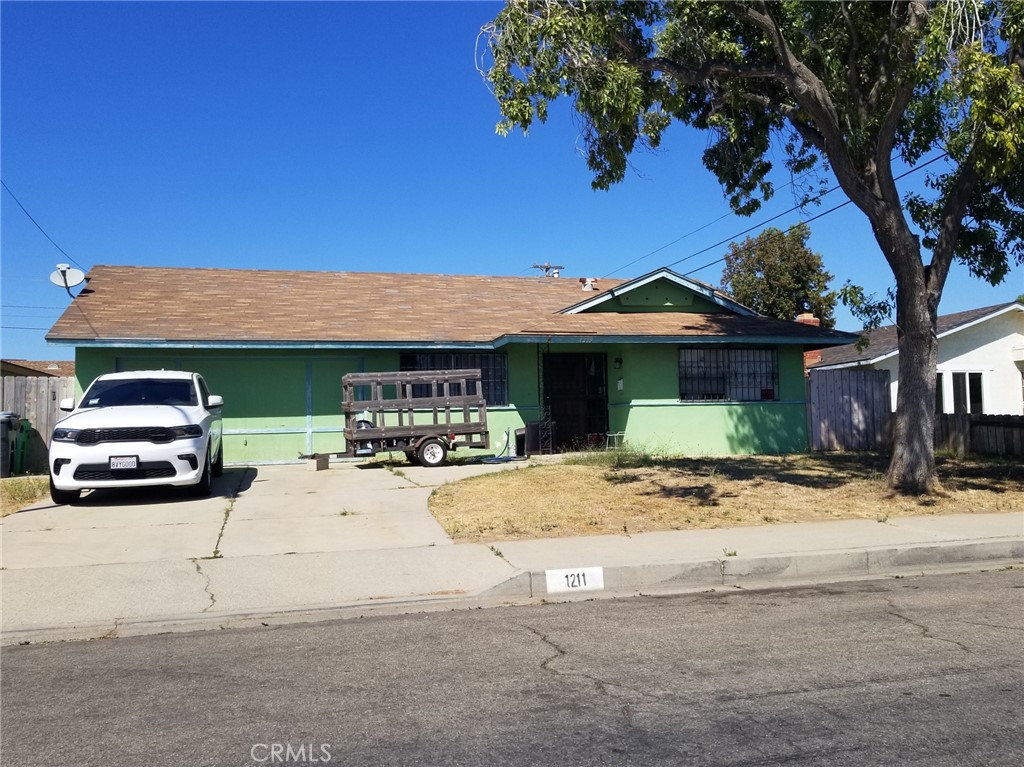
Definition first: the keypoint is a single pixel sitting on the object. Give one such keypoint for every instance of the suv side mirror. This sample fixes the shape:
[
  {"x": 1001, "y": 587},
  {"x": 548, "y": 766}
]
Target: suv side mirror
[
  {"x": 215, "y": 400},
  {"x": 67, "y": 404}
]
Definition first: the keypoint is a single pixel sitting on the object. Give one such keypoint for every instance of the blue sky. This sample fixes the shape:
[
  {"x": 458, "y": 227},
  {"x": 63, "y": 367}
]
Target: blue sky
[{"x": 331, "y": 136}]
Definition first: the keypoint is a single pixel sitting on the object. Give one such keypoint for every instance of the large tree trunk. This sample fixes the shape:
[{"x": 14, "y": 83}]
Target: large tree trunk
[
  {"x": 918, "y": 289},
  {"x": 912, "y": 468}
]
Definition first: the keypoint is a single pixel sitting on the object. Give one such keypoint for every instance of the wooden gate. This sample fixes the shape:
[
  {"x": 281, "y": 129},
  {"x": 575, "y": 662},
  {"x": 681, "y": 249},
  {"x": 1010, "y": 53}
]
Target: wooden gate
[
  {"x": 36, "y": 398},
  {"x": 849, "y": 409}
]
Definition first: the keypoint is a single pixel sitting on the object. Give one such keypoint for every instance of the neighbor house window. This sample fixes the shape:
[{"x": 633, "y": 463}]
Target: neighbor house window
[
  {"x": 967, "y": 393},
  {"x": 493, "y": 369},
  {"x": 710, "y": 374}
]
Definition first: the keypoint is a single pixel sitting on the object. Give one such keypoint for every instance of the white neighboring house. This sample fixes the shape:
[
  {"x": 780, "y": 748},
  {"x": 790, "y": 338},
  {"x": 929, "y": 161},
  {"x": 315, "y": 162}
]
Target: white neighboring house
[{"x": 980, "y": 365}]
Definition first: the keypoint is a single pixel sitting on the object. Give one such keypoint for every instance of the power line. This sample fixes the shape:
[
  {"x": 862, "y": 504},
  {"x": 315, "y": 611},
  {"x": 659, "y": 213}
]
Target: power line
[
  {"x": 668, "y": 244},
  {"x": 58, "y": 247},
  {"x": 19, "y": 327},
  {"x": 759, "y": 224},
  {"x": 750, "y": 247},
  {"x": 710, "y": 223},
  {"x": 790, "y": 229}
]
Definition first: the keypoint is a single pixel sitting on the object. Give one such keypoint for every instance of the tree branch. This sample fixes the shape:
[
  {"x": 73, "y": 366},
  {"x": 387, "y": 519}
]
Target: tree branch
[
  {"x": 694, "y": 77},
  {"x": 951, "y": 222},
  {"x": 902, "y": 96},
  {"x": 852, "y": 81},
  {"x": 813, "y": 98}
]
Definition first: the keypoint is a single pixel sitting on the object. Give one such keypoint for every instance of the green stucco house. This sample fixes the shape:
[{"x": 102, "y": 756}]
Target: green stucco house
[{"x": 665, "y": 363}]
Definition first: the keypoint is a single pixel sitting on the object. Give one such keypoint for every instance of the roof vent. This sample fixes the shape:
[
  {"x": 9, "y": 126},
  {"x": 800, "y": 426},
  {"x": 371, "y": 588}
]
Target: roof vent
[{"x": 588, "y": 283}]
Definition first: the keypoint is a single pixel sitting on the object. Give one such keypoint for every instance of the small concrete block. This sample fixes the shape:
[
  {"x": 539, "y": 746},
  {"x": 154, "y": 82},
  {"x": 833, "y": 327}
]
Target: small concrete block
[{"x": 318, "y": 463}]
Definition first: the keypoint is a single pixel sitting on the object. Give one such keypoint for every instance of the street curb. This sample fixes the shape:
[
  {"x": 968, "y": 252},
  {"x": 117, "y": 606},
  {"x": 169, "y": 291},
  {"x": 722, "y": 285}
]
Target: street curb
[
  {"x": 529, "y": 587},
  {"x": 736, "y": 571}
]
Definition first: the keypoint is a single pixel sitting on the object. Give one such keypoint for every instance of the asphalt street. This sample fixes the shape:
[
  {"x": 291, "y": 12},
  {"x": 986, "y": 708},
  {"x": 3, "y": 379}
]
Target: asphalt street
[{"x": 914, "y": 671}]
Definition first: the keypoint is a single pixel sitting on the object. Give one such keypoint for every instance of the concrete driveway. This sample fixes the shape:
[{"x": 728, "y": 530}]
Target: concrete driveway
[
  {"x": 270, "y": 538},
  {"x": 254, "y": 511}
]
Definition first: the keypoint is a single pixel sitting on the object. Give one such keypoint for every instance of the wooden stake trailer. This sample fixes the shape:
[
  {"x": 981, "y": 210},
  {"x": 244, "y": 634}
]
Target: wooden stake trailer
[{"x": 424, "y": 414}]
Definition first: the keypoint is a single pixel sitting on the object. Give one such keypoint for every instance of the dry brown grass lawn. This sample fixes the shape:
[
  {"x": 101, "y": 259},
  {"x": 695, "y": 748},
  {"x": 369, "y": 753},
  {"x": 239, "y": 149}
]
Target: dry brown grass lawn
[
  {"x": 615, "y": 493},
  {"x": 18, "y": 492}
]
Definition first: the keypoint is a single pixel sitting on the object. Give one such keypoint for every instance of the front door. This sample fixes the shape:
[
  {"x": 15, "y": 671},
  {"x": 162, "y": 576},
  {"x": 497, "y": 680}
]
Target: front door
[{"x": 576, "y": 398}]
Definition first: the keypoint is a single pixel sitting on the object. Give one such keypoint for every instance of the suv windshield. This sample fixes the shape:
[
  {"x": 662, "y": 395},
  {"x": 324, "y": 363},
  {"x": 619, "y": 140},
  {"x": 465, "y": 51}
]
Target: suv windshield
[{"x": 140, "y": 391}]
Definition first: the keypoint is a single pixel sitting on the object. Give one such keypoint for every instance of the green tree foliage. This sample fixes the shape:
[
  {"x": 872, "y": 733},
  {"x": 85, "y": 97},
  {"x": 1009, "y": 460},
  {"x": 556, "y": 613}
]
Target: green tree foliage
[
  {"x": 847, "y": 87},
  {"x": 777, "y": 275}
]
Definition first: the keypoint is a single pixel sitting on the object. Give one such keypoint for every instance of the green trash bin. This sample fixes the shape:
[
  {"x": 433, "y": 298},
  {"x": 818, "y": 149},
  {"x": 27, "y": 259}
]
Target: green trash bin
[
  {"x": 21, "y": 446},
  {"x": 9, "y": 424}
]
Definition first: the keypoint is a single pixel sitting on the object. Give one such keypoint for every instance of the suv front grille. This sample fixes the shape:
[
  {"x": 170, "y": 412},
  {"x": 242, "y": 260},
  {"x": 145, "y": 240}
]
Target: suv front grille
[
  {"x": 125, "y": 434},
  {"x": 100, "y": 472}
]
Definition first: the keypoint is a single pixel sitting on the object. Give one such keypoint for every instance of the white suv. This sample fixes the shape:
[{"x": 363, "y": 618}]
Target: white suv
[{"x": 148, "y": 427}]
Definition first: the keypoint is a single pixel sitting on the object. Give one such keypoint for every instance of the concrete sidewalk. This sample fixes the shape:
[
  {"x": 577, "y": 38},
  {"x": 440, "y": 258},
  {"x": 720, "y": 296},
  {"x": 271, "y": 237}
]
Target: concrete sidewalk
[{"x": 282, "y": 544}]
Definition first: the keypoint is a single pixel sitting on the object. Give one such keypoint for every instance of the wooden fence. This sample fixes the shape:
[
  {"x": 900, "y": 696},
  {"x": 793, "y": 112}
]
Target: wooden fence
[
  {"x": 849, "y": 409},
  {"x": 36, "y": 398},
  {"x": 982, "y": 434}
]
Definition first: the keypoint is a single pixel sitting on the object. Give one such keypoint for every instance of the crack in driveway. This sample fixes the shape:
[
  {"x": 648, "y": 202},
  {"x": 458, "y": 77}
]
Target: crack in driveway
[{"x": 206, "y": 586}]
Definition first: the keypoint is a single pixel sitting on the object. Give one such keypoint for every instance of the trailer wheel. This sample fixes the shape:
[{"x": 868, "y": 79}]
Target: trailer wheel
[
  {"x": 432, "y": 452},
  {"x": 411, "y": 457}
]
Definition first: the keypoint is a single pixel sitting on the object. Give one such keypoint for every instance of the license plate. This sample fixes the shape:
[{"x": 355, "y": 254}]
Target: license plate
[{"x": 124, "y": 462}]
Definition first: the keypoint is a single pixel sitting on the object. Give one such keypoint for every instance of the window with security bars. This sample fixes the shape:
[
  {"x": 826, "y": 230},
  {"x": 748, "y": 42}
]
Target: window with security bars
[
  {"x": 712, "y": 374},
  {"x": 493, "y": 372}
]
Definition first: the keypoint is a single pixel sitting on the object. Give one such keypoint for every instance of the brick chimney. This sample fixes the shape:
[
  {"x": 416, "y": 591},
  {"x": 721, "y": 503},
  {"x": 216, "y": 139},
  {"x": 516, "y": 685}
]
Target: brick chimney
[
  {"x": 811, "y": 357},
  {"x": 807, "y": 318}
]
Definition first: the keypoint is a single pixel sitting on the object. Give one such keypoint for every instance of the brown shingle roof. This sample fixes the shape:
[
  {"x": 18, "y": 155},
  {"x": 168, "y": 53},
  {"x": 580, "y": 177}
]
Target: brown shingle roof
[
  {"x": 157, "y": 304},
  {"x": 883, "y": 341},
  {"x": 154, "y": 305},
  {"x": 53, "y": 368}
]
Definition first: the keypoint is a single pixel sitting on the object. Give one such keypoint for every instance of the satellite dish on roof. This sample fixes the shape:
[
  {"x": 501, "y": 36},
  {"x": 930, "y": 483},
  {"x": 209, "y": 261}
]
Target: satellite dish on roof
[{"x": 66, "y": 277}]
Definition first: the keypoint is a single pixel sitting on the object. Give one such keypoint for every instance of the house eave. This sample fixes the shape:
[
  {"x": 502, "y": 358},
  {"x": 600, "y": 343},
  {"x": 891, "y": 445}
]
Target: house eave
[
  {"x": 135, "y": 343},
  {"x": 679, "y": 339},
  {"x": 1008, "y": 308},
  {"x": 530, "y": 338}
]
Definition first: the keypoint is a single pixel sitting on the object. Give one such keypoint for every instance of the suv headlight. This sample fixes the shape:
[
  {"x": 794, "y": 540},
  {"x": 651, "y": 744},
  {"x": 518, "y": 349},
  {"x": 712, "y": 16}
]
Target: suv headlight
[
  {"x": 65, "y": 435},
  {"x": 185, "y": 432}
]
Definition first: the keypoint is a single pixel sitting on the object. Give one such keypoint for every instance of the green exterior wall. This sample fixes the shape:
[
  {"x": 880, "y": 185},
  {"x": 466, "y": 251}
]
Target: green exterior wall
[
  {"x": 280, "y": 404},
  {"x": 659, "y": 296}
]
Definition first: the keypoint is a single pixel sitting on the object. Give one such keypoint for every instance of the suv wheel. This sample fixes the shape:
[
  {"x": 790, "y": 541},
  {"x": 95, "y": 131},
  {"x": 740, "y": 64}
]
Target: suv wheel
[
  {"x": 63, "y": 497},
  {"x": 205, "y": 485}
]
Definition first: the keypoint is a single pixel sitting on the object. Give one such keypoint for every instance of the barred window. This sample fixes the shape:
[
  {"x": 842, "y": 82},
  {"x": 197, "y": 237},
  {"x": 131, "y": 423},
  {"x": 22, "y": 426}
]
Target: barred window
[
  {"x": 493, "y": 370},
  {"x": 728, "y": 374}
]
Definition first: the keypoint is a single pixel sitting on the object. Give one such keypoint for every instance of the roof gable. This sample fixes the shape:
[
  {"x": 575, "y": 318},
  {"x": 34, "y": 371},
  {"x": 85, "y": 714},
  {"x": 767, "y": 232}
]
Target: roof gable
[
  {"x": 883, "y": 342},
  {"x": 661, "y": 290}
]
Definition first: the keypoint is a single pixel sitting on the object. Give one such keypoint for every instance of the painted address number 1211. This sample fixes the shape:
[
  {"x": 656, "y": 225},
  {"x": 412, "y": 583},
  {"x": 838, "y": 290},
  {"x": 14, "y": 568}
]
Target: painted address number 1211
[{"x": 574, "y": 579}]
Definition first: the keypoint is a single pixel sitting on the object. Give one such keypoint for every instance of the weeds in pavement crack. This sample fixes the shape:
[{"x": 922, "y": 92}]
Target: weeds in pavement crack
[
  {"x": 206, "y": 586},
  {"x": 227, "y": 513},
  {"x": 112, "y": 634}
]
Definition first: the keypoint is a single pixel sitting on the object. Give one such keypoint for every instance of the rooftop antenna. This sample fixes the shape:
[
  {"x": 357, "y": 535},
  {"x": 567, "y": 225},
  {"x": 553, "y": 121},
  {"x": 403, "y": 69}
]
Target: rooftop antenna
[
  {"x": 67, "y": 278},
  {"x": 549, "y": 269}
]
